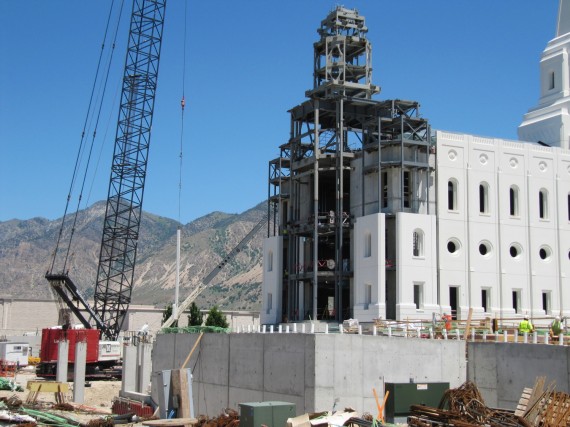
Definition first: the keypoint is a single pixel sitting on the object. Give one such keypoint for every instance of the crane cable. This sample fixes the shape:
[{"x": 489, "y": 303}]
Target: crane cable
[
  {"x": 80, "y": 151},
  {"x": 98, "y": 117}
]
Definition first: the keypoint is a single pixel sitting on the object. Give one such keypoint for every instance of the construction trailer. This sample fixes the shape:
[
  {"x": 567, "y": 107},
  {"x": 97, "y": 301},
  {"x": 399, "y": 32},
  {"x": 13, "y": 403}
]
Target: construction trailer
[{"x": 14, "y": 352}]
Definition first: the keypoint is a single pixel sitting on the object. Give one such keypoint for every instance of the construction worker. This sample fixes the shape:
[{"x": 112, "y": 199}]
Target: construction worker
[
  {"x": 526, "y": 326},
  {"x": 447, "y": 321},
  {"x": 555, "y": 327}
]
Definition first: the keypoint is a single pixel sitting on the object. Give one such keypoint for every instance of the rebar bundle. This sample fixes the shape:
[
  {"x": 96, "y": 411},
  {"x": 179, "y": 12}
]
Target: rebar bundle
[{"x": 466, "y": 408}]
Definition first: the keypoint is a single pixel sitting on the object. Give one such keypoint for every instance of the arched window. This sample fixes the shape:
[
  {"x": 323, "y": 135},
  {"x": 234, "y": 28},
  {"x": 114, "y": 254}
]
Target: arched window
[
  {"x": 484, "y": 198},
  {"x": 543, "y": 204},
  {"x": 418, "y": 243},
  {"x": 452, "y": 195},
  {"x": 514, "y": 200}
]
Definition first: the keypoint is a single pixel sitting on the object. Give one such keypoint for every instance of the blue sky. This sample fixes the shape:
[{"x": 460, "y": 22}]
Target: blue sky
[{"x": 473, "y": 66}]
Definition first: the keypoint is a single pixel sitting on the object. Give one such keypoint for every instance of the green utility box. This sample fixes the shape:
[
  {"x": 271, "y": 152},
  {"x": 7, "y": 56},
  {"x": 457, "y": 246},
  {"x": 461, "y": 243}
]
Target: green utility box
[
  {"x": 403, "y": 395},
  {"x": 254, "y": 414}
]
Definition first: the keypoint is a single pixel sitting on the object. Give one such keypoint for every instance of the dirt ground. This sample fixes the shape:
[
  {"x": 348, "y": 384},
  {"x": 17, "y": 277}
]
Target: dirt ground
[
  {"x": 98, "y": 394},
  {"x": 98, "y": 399}
]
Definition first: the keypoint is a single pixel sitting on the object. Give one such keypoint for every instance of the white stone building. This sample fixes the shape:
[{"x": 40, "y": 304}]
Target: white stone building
[{"x": 378, "y": 216}]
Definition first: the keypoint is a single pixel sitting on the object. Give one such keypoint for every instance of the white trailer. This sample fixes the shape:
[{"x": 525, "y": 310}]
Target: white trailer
[{"x": 16, "y": 352}]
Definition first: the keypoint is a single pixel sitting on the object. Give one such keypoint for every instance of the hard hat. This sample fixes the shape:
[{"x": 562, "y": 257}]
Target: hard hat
[
  {"x": 557, "y": 317},
  {"x": 526, "y": 318}
]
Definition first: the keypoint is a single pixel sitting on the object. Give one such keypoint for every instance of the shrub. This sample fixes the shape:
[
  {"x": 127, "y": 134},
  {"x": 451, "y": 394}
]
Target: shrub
[{"x": 216, "y": 318}]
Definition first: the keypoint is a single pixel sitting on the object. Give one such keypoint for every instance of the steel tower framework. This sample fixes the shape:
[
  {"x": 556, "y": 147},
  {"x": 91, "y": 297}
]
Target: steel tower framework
[{"x": 310, "y": 183}]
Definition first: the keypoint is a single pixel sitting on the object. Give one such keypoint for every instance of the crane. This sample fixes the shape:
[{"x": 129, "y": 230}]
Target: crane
[
  {"x": 117, "y": 257},
  {"x": 229, "y": 256}
]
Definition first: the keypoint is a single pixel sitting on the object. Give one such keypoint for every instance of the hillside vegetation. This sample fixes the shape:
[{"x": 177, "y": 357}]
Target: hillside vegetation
[{"x": 26, "y": 249}]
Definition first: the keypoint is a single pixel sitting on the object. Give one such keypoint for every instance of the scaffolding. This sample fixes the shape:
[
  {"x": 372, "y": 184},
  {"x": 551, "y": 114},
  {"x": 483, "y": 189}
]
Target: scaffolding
[{"x": 310, "y": 182}]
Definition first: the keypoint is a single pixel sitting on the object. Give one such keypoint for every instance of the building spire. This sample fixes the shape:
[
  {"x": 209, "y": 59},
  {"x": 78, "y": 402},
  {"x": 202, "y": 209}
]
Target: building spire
[
  {"x": 549, "y": 121},
  {"x": 563, "y": 25}
]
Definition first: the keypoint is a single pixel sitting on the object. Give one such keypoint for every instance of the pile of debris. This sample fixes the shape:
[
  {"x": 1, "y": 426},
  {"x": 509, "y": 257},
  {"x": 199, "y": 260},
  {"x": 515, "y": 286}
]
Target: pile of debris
[
  {"x": 464, "y": 407},
  {"x": 228, "y": 418}
]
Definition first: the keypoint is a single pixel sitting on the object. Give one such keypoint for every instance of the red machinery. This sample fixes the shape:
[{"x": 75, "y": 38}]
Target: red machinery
[{"x": 103, "y": 357}]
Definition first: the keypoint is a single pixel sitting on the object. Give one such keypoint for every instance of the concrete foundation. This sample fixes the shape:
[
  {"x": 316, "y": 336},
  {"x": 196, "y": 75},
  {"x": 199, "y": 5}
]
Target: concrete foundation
[
  {"x": 502, "y": 370},
  {"x": 310, "y": 370}
]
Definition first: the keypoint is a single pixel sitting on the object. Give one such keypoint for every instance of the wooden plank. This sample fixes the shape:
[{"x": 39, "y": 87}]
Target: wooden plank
[
  {"x": 468, "y": 325},
  {"x": 192, "y": 351},
  {"x": 184, "y": 402},
  {"x": 523, "y": 401},
  {"x": 179, "y": 382},
  {"x": 48, "y": 386}
]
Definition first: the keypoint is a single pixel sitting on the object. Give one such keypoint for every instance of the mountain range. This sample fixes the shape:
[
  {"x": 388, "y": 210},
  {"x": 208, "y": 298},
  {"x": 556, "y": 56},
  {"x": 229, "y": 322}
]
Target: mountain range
[{"x": 27, "y": 248}]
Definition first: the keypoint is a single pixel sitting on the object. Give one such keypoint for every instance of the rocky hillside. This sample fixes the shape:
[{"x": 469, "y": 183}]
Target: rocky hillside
[{"x": 26, "y": 252}]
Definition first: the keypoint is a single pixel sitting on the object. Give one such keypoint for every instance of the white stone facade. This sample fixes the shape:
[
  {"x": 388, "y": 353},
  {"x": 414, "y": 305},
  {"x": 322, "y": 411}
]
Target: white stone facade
[{"x": 504, "y": 226}]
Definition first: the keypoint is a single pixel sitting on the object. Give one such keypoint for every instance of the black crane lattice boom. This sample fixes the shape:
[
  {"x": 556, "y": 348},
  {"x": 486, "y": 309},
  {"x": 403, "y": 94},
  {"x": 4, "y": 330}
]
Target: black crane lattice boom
[{"x": 117, "y": 258}]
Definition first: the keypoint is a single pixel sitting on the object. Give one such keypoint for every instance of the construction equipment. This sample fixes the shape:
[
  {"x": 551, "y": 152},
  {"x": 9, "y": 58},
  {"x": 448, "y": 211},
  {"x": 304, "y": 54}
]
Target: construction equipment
[
  {"x": 229, "y": 256},
  {"x": 117, "y": 258}
]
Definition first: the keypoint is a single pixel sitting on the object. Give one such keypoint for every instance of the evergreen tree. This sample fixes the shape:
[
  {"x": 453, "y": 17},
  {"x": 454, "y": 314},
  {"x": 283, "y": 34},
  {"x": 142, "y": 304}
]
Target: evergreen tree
[
  {"x": 195, "y": 317},
  {"x": 166, "y": 315},
  {"x": 216, "y": 318}
]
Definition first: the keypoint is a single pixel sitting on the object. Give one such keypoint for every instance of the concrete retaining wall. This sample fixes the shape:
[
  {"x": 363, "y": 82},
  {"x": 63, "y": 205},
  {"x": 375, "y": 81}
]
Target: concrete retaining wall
[
  {"x": 502, "y": 370},
  {"x": 311, "y": 370}
]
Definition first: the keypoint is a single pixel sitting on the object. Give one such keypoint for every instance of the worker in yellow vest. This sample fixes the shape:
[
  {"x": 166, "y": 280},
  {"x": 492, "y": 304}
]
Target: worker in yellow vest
[{"x": 526, "y": 326}]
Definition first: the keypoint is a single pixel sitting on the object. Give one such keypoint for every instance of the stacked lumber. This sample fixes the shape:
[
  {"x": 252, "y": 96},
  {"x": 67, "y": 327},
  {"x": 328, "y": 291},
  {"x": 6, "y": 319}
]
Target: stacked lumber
[{"x": 545, "y": 407}]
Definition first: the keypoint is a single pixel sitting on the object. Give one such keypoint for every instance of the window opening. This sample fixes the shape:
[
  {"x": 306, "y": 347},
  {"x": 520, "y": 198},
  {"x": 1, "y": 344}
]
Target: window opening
[
  {"x": 454, "y": 301},
  {"x": 543, "y": 204},
  {"x": 384, "y": 189},
  {"x": 451, "y": 195},
  {"x": 483, "y": 198},
  {"x": 367, "y": 245},
  {"x": 514, "y": 201},
  {"x": 407, "y": 192},
  {"x": 515, "y": 250},
  {"x": 517, "y": 301},
  {"x": 485, "y": 300},
  {"x": 546, "y": 302},
  {"x": 418, "y": 295},
  {"x": 418, "y": 243}
]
